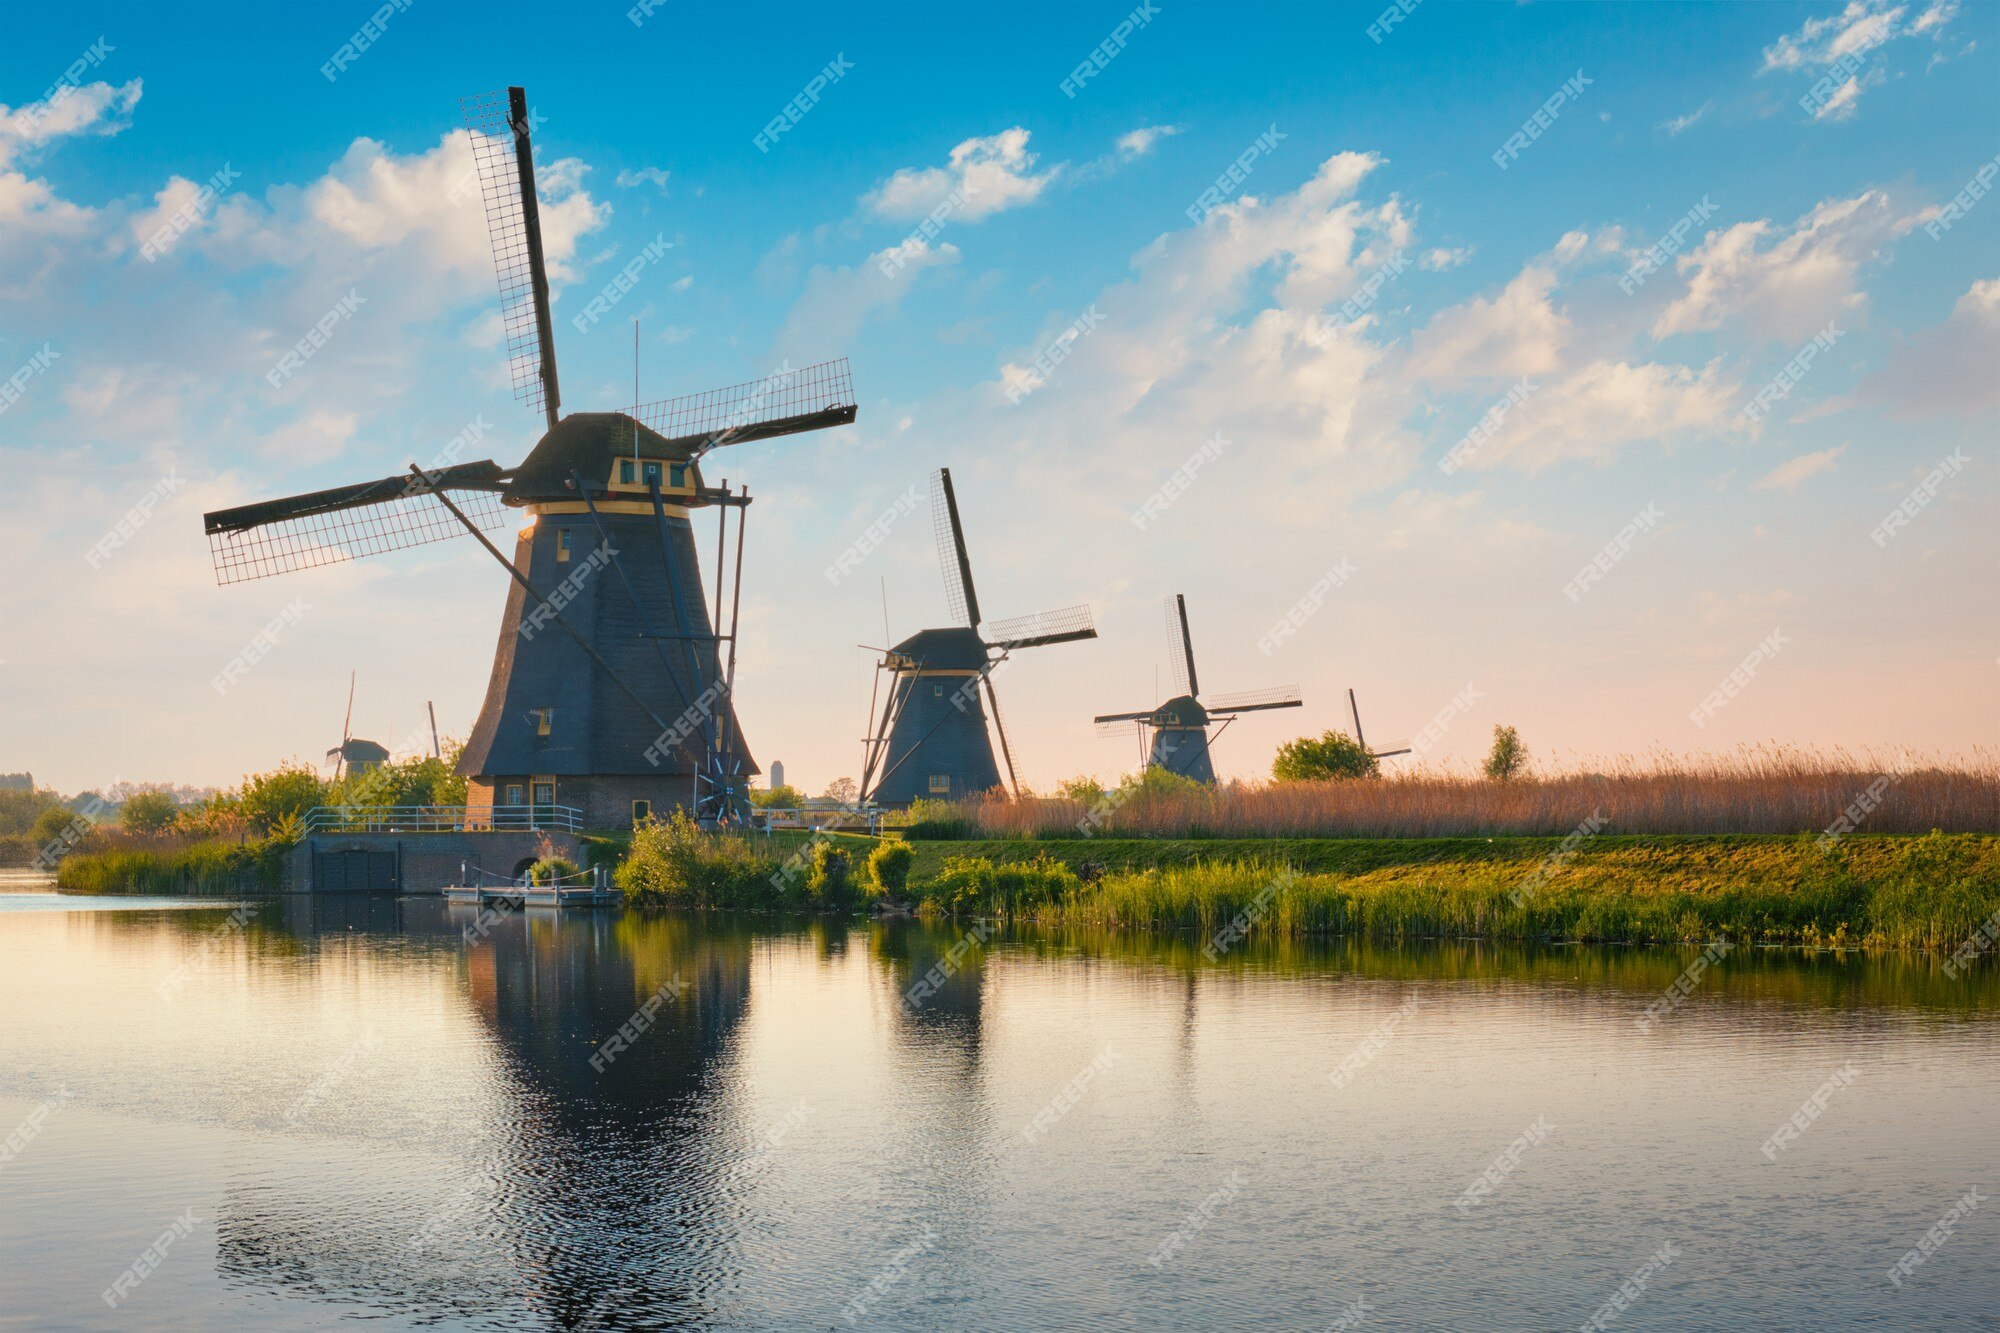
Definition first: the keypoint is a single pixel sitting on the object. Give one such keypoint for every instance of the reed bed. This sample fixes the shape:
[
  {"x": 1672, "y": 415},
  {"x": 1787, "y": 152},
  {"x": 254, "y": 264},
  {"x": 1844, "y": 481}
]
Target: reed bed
[
  {"x": 1768, "y": 790},
  {"x": 122, "y": 861}
]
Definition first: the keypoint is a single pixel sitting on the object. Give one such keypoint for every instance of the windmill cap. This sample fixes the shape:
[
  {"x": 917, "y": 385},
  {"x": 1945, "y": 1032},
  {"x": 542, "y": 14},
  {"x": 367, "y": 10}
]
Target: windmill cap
[
  {"x": 951, "y": 649},
  {"x": 1181, "y": 711},
  {"x": 587, "y": 443}
]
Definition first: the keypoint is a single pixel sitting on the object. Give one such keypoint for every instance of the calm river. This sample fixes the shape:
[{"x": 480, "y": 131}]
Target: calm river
[{"x": 318, "y": 1111}]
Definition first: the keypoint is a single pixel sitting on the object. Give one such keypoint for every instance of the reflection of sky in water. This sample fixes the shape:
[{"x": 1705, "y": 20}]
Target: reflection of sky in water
[{"x": 370, "y": 1118}]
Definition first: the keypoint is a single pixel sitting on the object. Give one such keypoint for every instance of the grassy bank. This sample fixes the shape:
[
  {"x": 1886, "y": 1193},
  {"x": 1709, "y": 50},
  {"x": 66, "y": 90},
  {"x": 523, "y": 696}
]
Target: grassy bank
[
  {"x": 1919, "y": 892},
  {"x": 167, "y": 865}
]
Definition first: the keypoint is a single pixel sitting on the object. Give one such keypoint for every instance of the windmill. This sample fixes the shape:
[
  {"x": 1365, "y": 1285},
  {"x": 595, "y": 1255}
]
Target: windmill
[
  {"x": 1361, "y": 740},
  {"x": 931, "y": 738},
  {"x": 354, "y": 755},
  {"x": 610, "y": 689},
  {"x": 1180, "y": 726}
]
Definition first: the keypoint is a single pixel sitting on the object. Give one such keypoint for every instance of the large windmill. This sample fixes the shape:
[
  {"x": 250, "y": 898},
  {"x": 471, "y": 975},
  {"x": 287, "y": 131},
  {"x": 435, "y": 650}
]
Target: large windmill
[
  {"x": 1180, "y": 726},
  {"x": 610, "y": 689},
  {"x": 931, "y": 739}
]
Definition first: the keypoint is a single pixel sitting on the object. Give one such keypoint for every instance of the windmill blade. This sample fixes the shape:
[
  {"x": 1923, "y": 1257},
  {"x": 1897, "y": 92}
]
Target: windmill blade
[
  {"x": 502, "y": 153},
  {"x": 273, "y": 537},
  {"x": 784, "y": 402},
  {"x": 1044, "y": 627},
  {"x": 1355, "y": 708},
  {"x": 347, "y": 723},
  {"x": 958, "y": 588},
  {"x": 1006, "y": 748},
  {"x": 1103, "y": 718},
  {"x": 1251, "y": 701},
  {"x": 1118, "y": 729}
]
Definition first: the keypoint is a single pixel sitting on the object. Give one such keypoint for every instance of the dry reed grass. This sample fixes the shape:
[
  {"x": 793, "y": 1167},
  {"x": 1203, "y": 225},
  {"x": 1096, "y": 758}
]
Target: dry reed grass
[{"x": 1763, "y": 789}]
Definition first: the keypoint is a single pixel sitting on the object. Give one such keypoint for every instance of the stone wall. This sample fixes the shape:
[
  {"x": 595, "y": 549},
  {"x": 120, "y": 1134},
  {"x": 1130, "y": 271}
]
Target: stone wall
[{"x": 431, "y": 861}]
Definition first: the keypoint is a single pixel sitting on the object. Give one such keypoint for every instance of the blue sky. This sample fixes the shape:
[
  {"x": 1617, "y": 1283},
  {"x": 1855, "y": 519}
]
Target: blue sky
[{"x": 1232, "y": 345}]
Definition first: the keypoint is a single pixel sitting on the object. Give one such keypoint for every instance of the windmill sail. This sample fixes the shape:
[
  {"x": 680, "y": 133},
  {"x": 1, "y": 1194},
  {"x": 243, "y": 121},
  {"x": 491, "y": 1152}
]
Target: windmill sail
[
  {"x": 957, "y": 566},
  {"x": 501, "y": 151},
  {"x": 782, "y": 403},
  {"x": 1044, "y": 627},
  {"x": 1250, "y": 701},
  {"x": 273, "y": 537}
]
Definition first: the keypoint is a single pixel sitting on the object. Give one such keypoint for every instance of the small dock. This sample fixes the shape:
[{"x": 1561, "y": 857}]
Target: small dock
[{"x": 591, "y": 889}]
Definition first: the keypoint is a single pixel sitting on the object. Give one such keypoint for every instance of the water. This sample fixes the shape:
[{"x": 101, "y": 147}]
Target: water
[{"x": 357, "y": 1114}]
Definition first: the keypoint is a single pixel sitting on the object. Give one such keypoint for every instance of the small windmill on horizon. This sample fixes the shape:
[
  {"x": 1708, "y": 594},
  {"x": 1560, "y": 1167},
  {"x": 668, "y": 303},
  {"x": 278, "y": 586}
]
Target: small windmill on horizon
[
  {"x": 610, "y": 691},
  {"x": 1179, "y": 728},
  {"x": 931, "y": 738}
]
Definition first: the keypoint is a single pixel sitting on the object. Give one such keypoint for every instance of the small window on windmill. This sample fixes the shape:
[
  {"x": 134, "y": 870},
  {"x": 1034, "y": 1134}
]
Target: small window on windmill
[
  {"x": 625, "y": 471},
  {"x": 543, "y": 716},
  {"x": 513, "y": 793},
  {"x": 937, "y": 691},
  {"x": 652, "y": 474},
  {"x": 562, "y": 544},
  {"x": 641, "y": 811},
  {"x": 940, "y": 782},
  {"x": 677, "y": 474},
  {"x": 545, "y": 791}
]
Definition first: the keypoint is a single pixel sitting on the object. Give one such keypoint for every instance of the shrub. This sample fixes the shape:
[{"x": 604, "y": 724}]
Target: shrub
[
  {"x": 551, "y": 869},
  {"x": 1332, "y": 756},
  {"x": 674, "y": 864},
  {"x": 938, "y": 821},
  {"x": 51, "y": 824},
  {"x": 827, "y": 880},
  {"x": 149, "y": 811},
  {"x": 291, "y": 789},
  {"x": 973, "y": 884},
  {"x": 889, "y": 867}
]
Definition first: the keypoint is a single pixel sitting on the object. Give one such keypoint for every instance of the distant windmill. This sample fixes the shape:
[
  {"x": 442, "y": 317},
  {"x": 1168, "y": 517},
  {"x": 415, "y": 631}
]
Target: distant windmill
[
  {"x": 1361, "y": 740},
  {"x": 1180, "y": 726},
  {"x": 931, "y": 739},
  {"x": 610, "y": 690},
  {"x": 354, "y": 755}
]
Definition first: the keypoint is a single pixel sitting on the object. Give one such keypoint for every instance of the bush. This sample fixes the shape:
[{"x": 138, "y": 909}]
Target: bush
[
  {"x": 674, "y": 864},
  {"x": 149, "y": 811},
  {"x": 889, "y": 867},
  {"x": 973, "y": 884},
  {"x": 51, "y": 824},
  {"x": 291, "y": 789},
  {"x": 551, "y": 869},
  {"x": 1330, "y": 757},
  {"x": 827, "y": 880}
]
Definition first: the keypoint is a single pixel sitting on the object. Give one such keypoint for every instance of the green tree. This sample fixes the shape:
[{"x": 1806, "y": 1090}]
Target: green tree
[
  {"x": 784, "y": 796},
  {"x": 1508, "y": 757},
  {"x": 290, "y": 789},
  {"x": 150, "y": 810},
  {"x": 1082, "y": 790},
  {"x": 1323, "y": 759},
  {"x": 51, "y": 824},
  {"x": 842, "y": 790}
]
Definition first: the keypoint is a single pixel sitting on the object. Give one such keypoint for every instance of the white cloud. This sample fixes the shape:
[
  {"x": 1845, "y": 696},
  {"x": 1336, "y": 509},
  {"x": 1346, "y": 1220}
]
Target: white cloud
[
  {"x": 91, "y": 108},
  {"x": 837, "y": 301},
  {"x": 1843, "y": 40},
  {"x": 1140, "y": 141},
  {"x": 1440, "y": 259},
  {"x": 653, "y": 176},
  {"x": 1784, "y": 284},
  {"x": 993, "y": 173},
  {"x": 1592, "y": 411},
  {"x": 1790, "y": 474},
  {"x": 1518, "y": 332},
  {"x": 1681, "y": 124}
]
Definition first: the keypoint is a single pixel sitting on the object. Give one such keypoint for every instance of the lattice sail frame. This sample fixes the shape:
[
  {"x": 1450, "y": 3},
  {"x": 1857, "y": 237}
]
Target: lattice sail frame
[
  {"x": 1069, "y": 622},
  {"x": 1176, "y": 651},
  {"x": 781, "y": 402},
  {"x": 947, "y": 548},
  {"x": 1278, "y": 696},
  {"x": 412, "y": 518},
  {"x": 492, "y": 136}
]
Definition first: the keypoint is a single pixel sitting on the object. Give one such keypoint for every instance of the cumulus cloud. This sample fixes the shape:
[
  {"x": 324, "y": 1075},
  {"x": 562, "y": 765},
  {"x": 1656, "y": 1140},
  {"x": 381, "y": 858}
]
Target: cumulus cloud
[
  {"x": 837, "y": 301},
  {"x": 38, "y": 227},
  {"x": 1516, "y": 332},
  {"x": 1793, "y": 472},
  {"x": 1593, "y": 411},
  {"x": 992, "y": 174},
  {"x": 91, "y": 108},
  {"x": 653, "y": 176},
  {"x": 1785, "y": 283},
  {"x": 1439, "y": 259}
]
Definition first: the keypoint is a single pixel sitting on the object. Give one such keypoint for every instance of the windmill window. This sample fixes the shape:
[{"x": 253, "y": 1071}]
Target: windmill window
[
  {"x": 545, "y": 791},
  {"x": 652, "y": 474},
  {"x": 543, "y": 717},
  {"x": 562, "y": 544},
  {"x": 678, "y": 474},
  {"x": 940, "y": 782},
  {"x": 937, "y": 691},
  {"x": 641, "y": 811},
  {"x": 513, "y": 793},
  {"x": 625, "y": 472}
]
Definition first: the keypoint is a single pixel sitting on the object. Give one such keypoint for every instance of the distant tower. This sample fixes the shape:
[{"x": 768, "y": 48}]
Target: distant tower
[{"x": 777, "y": 774}]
